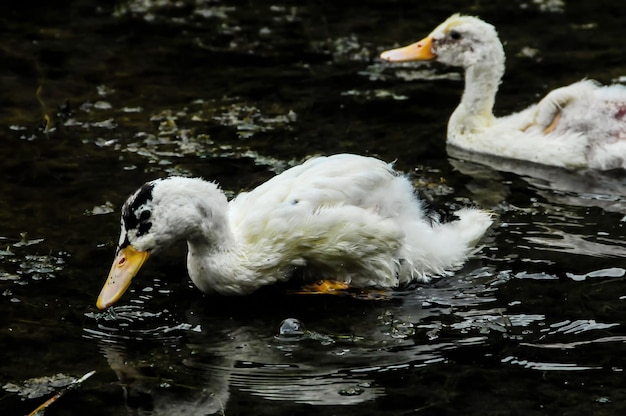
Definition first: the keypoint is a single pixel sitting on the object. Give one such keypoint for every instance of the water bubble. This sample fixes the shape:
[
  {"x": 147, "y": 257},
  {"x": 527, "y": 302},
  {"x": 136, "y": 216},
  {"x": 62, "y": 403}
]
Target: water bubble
[
  {"x": 351, "y": 391},
  {"x": 291, "y": 327}
]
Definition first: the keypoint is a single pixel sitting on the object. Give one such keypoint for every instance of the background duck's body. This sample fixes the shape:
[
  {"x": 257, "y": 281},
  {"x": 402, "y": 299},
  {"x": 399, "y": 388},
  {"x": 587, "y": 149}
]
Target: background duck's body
[
  {"x": 580, "y": 125},
  {"x": 352, "y": 218}
]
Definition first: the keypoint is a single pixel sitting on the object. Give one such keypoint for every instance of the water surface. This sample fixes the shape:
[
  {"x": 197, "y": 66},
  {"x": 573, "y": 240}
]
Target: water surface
[{"x": 100, "y": 96}]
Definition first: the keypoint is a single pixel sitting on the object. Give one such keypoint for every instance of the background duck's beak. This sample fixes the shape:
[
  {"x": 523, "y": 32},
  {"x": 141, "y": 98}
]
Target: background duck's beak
[
  {"x": 125, "y": 266},
  {"x": 418, "y": 51}
]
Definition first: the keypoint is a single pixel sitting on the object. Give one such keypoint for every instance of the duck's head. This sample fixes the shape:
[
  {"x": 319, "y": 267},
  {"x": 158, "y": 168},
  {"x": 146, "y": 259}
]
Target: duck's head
[
  {"x": 159, "y": 213},
  {"x": 135, "y": 245},
  {"x": 459, "y": 41}
]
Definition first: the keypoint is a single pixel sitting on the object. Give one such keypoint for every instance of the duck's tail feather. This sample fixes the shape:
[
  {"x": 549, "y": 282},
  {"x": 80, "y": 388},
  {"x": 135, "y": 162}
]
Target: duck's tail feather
[{"x": 447, "y": 245}]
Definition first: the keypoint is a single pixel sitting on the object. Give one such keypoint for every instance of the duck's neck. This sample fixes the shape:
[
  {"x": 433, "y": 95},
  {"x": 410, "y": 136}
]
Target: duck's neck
[
  {"x": 218, "y": 261},
  {"x": 475, "y": 112},
  {"x": 232, "y": 268},
  {"x": 214, "y": 258},
  {"x": 198, "y": 212}
]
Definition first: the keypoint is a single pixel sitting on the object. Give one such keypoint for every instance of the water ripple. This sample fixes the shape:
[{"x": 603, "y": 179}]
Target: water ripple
[{"x": 547, "y": 366}]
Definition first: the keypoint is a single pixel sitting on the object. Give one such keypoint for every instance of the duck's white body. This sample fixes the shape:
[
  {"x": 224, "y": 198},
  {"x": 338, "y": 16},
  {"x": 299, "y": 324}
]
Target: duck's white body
[
  {"x": 580, "y": 125},
  {"x": 349, "y": 218}
]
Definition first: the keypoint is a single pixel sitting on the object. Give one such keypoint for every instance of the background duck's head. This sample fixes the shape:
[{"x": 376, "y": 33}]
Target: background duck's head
[{"x": 459, "y": 41}]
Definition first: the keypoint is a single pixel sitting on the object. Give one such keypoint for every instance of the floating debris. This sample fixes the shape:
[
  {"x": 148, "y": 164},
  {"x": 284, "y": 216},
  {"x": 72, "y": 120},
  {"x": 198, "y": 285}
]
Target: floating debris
[
  {"x": 5, "y": 276},
  {"x": 40, "y": 386},
  {"x": 249, "y": 120},
  {"x": 103, "y": 90},
  {"x": 528, "y": 52},
  {"x": 73, "y": 384},
  {"x": 105, "y": 208},
  {"x": 375, "y": 94},
  {"x": 24, "y": 242},
  {"x": 552, "y": 6},
  {"x": 41, "y": 267},
  {"x": 102, "y": 105},
  {"x": 105, "y": 124},
  {"x": 345, "y": 49}
]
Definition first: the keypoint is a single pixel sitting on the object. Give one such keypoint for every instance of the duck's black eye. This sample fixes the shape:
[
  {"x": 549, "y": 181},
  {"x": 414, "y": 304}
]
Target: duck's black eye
[{"x": 455, "y": 35}]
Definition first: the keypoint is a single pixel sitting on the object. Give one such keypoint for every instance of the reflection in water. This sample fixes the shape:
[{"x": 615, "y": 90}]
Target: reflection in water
[
  {"x": 197, "y": 365},
  {"x": 560, "y": 241},
  {"x": 149, "y": 382},
  {"x": 245, "y": 360},
  {"x": 193, "y": 367},
  {"x": 585, "y": 188},
  {"x": 557, "y": 218}
]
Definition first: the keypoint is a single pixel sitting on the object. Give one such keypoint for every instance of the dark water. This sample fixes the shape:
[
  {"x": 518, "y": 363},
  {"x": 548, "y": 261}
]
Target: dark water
[{"x": 98, "y": 97}]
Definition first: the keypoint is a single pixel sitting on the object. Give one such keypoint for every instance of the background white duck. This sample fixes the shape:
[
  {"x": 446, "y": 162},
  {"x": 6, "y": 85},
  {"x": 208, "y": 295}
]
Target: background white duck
[
  {"x": 350, "y": 218},
  {"x": 580, "y": 125}
]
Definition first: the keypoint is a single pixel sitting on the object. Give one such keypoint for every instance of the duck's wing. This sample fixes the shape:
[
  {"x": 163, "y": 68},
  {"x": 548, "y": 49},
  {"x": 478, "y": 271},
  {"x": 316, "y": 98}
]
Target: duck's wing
[
  {"x": 547, "y": 114},
  {"x": 329, "y": 210},
  {"x": 323, "y": 182},
  {"x": 583, "y": 107}
]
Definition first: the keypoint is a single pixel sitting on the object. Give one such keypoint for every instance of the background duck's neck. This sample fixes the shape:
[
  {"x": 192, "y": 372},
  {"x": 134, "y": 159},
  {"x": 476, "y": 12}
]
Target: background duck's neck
[{"x": 475, "y": 112}]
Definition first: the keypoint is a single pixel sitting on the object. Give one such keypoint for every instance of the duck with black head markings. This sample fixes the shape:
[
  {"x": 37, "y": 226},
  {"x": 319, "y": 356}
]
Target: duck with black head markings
[
  {"x": 349, "y": 218},
  {"x": 582, "y": 125}
]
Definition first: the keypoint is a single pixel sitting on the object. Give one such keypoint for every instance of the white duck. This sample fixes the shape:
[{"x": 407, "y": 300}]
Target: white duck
[
  {"x": 351, "y": 217},
  {"x": 580, "y": 125}
]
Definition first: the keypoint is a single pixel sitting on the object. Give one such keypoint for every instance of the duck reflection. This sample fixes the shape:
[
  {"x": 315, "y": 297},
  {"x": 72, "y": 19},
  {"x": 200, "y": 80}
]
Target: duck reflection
[
  {"x": 146, "y": 392},
  {"x": 216, "y": 354},
  {"x": 582, "y": 188},
  {"x": 192, "y": 368}
]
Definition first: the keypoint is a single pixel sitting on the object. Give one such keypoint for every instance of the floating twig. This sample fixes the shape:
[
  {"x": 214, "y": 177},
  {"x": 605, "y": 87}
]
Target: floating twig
[{"x": 61, "y": 392}]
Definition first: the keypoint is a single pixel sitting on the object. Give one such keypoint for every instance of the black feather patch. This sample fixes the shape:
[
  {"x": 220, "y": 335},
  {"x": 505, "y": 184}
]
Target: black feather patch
[
  {"x": 125, "y": 243},
  {"x": 437, "y": 213},
  {"x": 135, "y": 213}
]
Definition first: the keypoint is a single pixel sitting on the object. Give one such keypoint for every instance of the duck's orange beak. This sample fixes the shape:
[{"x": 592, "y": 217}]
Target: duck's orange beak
[
  {"x": 125, "y": 266},
  {"x": 418, "y": 51}
]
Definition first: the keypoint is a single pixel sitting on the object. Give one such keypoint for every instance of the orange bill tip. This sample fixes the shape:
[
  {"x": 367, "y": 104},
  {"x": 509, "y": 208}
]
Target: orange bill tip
[
  {"x": 418, "y": 51},
  {"x": 127, "y": 263}
]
